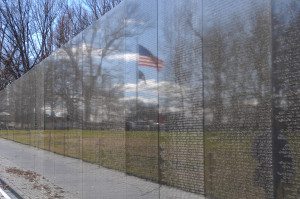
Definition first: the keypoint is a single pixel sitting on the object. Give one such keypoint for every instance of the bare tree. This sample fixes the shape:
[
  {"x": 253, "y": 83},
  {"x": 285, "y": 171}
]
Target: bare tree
[
  {"x": 100, "y": 7},
  {"x": 31, "y": 30},
  {"x": 73, "y": 20},
  {"x": 45, "y": 12},
  {"x": 24, "y": 41}
]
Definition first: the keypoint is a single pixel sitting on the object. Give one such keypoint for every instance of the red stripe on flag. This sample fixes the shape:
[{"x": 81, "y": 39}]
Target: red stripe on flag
[{"x": 148, "y": 61}]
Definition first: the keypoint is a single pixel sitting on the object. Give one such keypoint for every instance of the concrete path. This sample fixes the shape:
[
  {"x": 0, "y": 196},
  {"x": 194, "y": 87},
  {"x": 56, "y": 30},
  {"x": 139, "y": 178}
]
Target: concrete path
[
  {"x": 66, "y": 177},
  {"x": 1, "y": 197}
]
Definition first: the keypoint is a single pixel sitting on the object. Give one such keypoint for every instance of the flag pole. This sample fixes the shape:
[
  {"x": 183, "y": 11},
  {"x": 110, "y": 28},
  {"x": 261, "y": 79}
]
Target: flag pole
[
  {"x": 137, "y": 78},
  {"x": 159, "y": 158}
]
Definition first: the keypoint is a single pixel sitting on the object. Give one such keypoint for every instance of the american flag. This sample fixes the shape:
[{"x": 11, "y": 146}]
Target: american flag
[{"x": 146, "y": 58}]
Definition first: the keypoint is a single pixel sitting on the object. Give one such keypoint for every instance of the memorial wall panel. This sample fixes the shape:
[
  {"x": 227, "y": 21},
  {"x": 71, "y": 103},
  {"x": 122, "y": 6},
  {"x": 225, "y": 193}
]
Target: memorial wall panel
[
  {"x": 103, "y": 110},
  {"x": 141, "y": 91},
  {"x": 180, "y": 95},
  {"x": 237, "y": 99},
  {"x": 286, "y": 97}
]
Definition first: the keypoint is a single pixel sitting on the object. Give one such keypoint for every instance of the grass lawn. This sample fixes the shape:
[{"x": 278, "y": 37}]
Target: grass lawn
[{"x": 228, "y": 161}]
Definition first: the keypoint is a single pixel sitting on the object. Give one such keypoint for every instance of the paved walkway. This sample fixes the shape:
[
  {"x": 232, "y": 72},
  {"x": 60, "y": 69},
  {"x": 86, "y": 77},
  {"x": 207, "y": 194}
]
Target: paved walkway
[{"x": 57, "y": 176}]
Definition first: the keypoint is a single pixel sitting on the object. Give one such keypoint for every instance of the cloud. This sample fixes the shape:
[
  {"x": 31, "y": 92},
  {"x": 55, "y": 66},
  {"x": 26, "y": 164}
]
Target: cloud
[
  {"x": 146, "y": 100},
  {"x": 128, "y": 57},
  {"x": 151, "y": 86}
]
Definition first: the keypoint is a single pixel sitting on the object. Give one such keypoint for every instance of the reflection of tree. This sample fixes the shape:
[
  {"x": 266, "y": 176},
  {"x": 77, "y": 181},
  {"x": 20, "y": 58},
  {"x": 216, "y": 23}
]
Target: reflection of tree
[
  {"x": 214, "y": 53},
  {"x": 77, "y": 79},
  {"x": 3, "y": 102},
  {"x": 183, "y": 69},
  {"x": 237, "y": 89},
  {"x": 236, "y": 71},
  {"x": 181, "y": 98},
  {"x": 236, "y": 66},
  {"x": 4, "y": 109},
  {"x": 104, "y": 39},
  {"x": 63, "y": 86},
  {"x": 286, "y": 97},
  {"x": 146, "y": 111},
  {"x": 15, "y": 105}
]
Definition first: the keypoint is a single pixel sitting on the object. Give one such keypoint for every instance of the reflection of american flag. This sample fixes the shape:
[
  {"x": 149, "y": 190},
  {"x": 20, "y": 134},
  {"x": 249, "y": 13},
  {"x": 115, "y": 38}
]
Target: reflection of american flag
[
  {"x": 146, "y": 58},
  {"x": 141, "y": 76}
]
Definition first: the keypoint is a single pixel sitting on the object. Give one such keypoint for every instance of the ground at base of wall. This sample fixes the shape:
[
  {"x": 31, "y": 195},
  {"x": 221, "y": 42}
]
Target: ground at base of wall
[{"x": 30, "y": 184}]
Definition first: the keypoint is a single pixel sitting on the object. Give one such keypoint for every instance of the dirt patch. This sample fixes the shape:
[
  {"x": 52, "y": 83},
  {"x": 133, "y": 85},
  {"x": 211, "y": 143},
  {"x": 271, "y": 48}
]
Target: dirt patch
[
  {"x": 4, "y": 186},
  {"x": 28, "y": 175},
  {"x": 37, "y": 182}
]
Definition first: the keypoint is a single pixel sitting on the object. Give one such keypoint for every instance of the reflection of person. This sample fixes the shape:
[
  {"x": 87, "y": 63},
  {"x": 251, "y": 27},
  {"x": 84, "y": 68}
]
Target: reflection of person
[
  {"x": 283, "y": 164},
  {"x": 128, "y": 126},
  {"x": 262, "y": 174}
]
